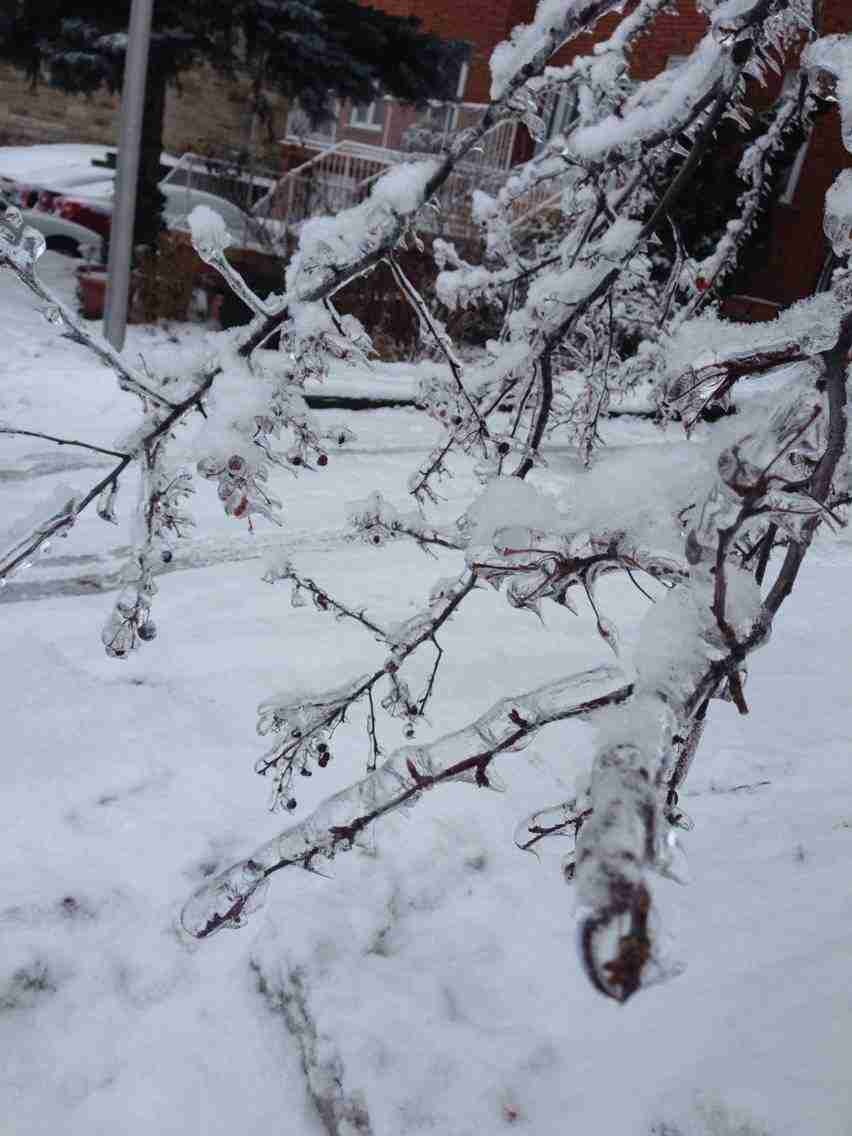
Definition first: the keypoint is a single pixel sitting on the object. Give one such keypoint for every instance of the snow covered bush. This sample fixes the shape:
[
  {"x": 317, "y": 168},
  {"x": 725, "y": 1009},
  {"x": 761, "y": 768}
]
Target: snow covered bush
[{"x": 722, "y": 524}]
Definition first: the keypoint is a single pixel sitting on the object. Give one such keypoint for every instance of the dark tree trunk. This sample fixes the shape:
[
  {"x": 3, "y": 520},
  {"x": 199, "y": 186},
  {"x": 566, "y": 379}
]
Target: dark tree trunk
[{"x": 149, "y": 221}]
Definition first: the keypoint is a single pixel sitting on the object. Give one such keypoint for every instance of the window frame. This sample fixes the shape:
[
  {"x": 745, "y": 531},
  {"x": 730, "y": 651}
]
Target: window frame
[{"x": 369, "y": 111}]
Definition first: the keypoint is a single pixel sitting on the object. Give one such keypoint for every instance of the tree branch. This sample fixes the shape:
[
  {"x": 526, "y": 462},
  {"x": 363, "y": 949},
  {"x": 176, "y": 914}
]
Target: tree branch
[{"x": 463, "y": 756}]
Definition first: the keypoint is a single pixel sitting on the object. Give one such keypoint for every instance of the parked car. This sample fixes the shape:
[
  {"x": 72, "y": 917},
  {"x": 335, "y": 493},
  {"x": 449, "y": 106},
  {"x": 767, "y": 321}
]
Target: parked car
[
  {"x": 76, "y": 183},
  {"x": 61, "y": 234},
  {"x": 95, "y": 212}
]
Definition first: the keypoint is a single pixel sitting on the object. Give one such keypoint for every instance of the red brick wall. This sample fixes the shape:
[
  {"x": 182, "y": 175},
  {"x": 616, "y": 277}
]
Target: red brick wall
[{"x": 672, "y": 33}]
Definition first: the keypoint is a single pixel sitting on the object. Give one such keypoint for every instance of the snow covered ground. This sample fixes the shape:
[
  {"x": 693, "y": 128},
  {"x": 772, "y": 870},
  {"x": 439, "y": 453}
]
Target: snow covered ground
[{"x": 431, "y": 983}]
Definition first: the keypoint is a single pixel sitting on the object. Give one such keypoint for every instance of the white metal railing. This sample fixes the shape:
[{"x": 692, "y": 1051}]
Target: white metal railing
[
  {"x": 341, "y": 175},
  {"x": 240, "y": 183}
]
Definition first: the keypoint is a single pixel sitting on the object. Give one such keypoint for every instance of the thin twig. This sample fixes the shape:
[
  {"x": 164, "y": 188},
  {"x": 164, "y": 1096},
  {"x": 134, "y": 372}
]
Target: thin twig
[
  {"x": 13, "y": 432},
  {"x": 426, "y": 318},
  {"x": 375, "y": 749},
  {"x": 430, "y": 685},
  {"x": 544, "y": 407}
]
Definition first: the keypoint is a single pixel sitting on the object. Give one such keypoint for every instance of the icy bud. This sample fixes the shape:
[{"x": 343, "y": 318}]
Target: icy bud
[
  {"x": 12, "y": 220},
  {"x": 106, "y": 503},
  {"x": 53, "y": 314},
  {"x": 20, "y": 244},
  {"x": 210, "y": 236}
]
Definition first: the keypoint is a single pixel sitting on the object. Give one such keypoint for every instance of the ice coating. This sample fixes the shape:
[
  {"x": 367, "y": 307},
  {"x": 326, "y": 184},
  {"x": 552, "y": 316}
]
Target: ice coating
[
  {"x": 336, "y": 823},
  {"x": 838, "y": 214}
]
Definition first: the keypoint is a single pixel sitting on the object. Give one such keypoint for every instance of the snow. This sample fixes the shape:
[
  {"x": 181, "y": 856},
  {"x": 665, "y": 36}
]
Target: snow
[
  {"x": 524, "y": 44},
  {"x": 61, "y": 165},
  {"x": 209, "y": 233},
  {"x": 438, "y": 962},
  {"x": 656, "y": 106},
  {"x": 328, "y": 242},
  {"x": 508, "y": 503}
]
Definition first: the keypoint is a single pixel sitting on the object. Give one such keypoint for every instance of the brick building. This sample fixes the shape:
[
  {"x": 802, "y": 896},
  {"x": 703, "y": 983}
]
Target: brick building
[{"x": 793, "y": 252}]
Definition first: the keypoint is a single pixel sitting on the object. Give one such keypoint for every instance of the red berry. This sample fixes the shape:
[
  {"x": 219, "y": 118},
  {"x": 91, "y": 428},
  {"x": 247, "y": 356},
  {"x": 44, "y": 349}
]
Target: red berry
[
  {"x": 322, "y": 459},
  {"x": 702, "y": 284}
]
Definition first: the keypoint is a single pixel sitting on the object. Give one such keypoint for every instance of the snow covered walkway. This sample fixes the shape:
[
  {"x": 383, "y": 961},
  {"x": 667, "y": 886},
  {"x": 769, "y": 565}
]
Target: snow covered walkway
[{"x": 432, "y": 982}]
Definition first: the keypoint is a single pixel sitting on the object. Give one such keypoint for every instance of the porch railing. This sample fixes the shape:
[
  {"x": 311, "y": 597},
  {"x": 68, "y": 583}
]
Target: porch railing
[
  {"x": 341, "y": 175},
  {"x": 270, "y": 208}
]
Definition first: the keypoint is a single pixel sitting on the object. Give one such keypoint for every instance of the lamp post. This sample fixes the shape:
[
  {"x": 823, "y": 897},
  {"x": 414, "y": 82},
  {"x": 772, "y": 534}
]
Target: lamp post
[{"x": 124, "y": 208}]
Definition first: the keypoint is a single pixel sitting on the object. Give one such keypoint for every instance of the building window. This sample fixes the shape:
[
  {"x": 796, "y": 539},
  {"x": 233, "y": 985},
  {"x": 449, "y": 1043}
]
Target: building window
[{"x": 369, "y": 116}]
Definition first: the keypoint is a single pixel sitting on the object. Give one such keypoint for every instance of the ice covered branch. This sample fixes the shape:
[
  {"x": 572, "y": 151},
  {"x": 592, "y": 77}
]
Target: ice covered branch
[
  {"x": 695, "y": 641},
  {"x": 49, "y": 527},
  {"x": 305, "y": 725},
  {"x": 464, "y": 756},
  {"x": 16, "y": 432},
  {"x": 20, "y": 248}
]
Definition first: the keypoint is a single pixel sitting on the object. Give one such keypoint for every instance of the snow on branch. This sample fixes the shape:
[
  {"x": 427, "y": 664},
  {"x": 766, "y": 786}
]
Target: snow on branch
[
  {"x": 530, "y": 46},
  {"x": 694, "y": 643}
]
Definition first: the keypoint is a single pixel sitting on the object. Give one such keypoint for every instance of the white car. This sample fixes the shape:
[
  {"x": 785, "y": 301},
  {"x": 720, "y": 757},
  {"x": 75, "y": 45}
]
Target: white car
[
  {"x": 61, "y": 235},
  {"x": 66, "y": 183}
]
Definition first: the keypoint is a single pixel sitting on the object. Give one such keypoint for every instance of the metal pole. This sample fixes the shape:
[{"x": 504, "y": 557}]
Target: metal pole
[{"x": 124, "y": 207}]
